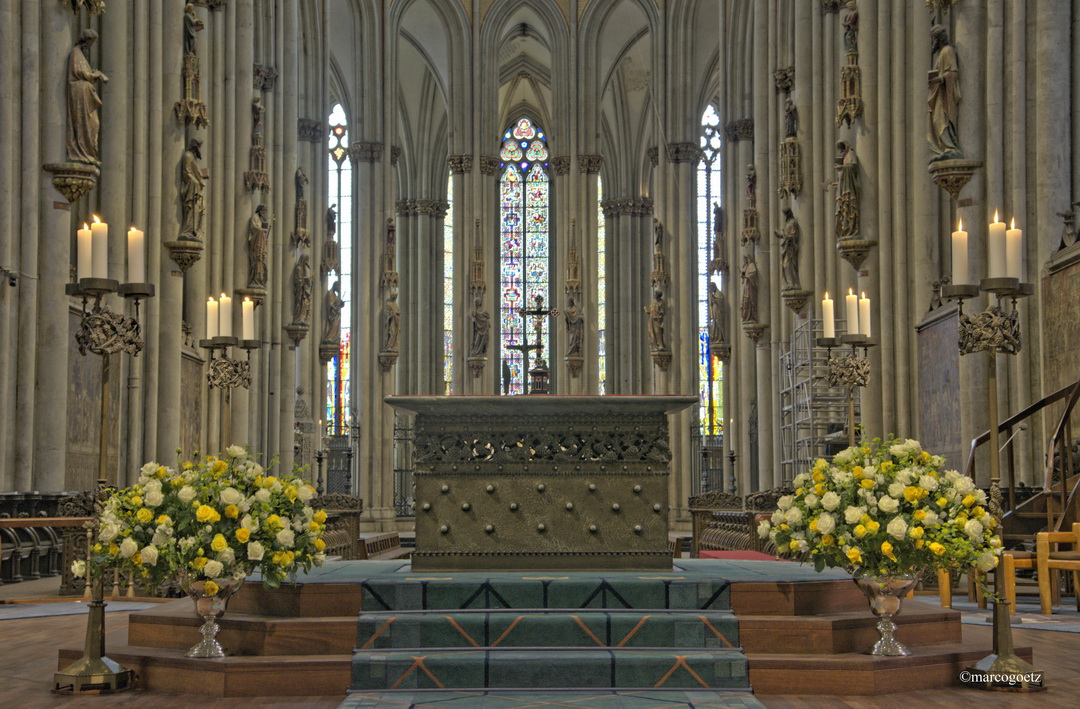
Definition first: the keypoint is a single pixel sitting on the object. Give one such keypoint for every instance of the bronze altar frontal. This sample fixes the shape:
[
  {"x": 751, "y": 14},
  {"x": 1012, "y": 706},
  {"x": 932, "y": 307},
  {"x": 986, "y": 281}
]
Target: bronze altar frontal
[{"x": 547, "y": 483}]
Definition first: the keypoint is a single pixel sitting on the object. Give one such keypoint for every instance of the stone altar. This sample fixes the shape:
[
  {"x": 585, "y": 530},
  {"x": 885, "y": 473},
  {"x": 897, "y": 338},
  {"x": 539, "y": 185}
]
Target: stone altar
[{"x": 541, "y": 482}]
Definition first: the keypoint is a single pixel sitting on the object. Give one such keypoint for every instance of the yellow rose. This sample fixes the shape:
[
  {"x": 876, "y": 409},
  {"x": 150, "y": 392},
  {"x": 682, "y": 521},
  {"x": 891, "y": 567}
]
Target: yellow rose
[
  {"x": 978, "y": 512},
  {"x": 97, "y": 548},
  {"x": 319, "y": 516},
  {"x": 857, "y": 471},
  {"x": 887, "y": 550},
  {"x": 819, "y": 477},
  {"x": 144, "y": 515},
  {"x": 919, "y": 515},
  {"x": 199, "y": 562},
  {"x": 290, "y": 492},
  {"x": 136, "y": 500},
  {"x": 136, "y": 558},
  {"x": 232, "y": 511},
  {"x": 314, "y": 526},
  {"x": 867, "y": 483},
  {"x": 813, "y": 525},
  {"x": 916, "y": 532},
  {"x": 860, "y": 531},
  {"x": 243, "y": 534},
  {"x": 320, "y": 544},
  {"x": 865, "y": 519},
  {"x": 799, "y": 491},
  {"x": 872, "y": 526},
  {"x": 785, "y": 526},
  {"x": 114, "y": 549},
  {"x": 210, "y": 588},
  {"x": 161, "y": 471},
  {"x": 273, "y": 521},
  {"x": 941, "y": 502},
  {"x": 912, "y": 494},
  {"x": 854, "y": 556},
  {"x": 164, "y": 519},
  {"x": 219, "y": 543},
  {"x": 819, "y": 489},
  {"x": 968, "y": 500},
  {"x": 188, "y": 465},
  {"x": 219, "y": 467},
  {"x": 938, "y": 549},
  {"x": 826, "y": 540},
  {"x": 206, "y": 513},
  {"x": 924, "y": 457},
  {"x": 886, "y": 465},
  {"x": 919, "y": 543}
]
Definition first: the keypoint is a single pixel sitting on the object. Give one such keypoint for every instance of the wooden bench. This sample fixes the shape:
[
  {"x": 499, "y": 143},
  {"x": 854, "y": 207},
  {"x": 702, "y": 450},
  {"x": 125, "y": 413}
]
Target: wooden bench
[
  {"x": 33, "y": 538},
  {"x": 383, "y": 546}
]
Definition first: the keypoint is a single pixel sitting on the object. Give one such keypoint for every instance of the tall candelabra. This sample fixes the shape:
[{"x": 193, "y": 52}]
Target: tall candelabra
[
  {"x": 849, "y": 371},
  {"x": 227, "y": 373}
]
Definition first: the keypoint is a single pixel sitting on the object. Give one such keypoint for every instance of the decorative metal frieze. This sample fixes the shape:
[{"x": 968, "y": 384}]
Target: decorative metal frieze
[
  {"x": 992, "y": 330},
  {"x": 952, "y": 175},
  {"x": 489, "y": 165},
  {"x": 590, "y": 164},
  {"x": 850, "y": 372},
  {"x": 560, "y": 165},
  {"x": 73, "y": 179},
  {"x": 460, "y": 163},
  {"x": 653, "y": 154},
  {"x": 106, "y": 332},
  {"x": 310, "y": 130},
  {"x": 93, "y": 7},
  {"x": 784, "y": 78},
  {"x": 362, "y": 151},
  {"x": 684, "y": 152},
  {"x": 716, "y": 500},
  {"x": 228, "y": 373},
  {"x": 264, "y": 77},
  {"x": 740, "y": 129}
]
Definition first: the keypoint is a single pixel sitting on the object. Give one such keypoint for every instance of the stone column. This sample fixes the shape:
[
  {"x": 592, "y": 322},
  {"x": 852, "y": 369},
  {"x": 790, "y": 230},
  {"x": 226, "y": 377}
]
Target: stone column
[{"x": 10, "y": 98}]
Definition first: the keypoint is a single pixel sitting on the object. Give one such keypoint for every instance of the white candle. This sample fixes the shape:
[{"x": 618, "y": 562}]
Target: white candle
[
  {"x": 851, "y": 303},
  {"x": 731, "y": 434},
  {"x": 828, "y": 316},
  {"x": 136, "y": 256},
  {"x": 996, "y": 249},
  {"x": 864, "y": 315},
  {"x": 225, "y": 316},
  {"x": 85, "y": 251},
  {"x": 960, "y": 275},
  {"x": 1014, "y": 239},
  {"x": 248, "y": 318},
  {"x": 99, "y": 231},
  {"x": 211, "y": 319}
]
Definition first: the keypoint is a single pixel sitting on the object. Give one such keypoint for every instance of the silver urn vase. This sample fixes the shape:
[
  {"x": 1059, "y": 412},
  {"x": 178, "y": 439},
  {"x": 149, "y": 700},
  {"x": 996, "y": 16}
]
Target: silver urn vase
[
  {"x": 210, "y": 608},
  {"x": 886, "y": 596}
]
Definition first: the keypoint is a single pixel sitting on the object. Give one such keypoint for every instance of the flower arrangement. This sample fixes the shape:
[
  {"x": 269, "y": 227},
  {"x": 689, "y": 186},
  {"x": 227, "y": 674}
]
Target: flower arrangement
[
  {"x": 213, "y": 522},
  {"x": 885, "y": 508}
]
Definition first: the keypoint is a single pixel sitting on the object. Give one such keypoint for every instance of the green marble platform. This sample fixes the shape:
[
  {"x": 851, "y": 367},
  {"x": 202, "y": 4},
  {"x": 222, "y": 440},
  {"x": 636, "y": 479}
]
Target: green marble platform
[{"x": 569, "y": 699}]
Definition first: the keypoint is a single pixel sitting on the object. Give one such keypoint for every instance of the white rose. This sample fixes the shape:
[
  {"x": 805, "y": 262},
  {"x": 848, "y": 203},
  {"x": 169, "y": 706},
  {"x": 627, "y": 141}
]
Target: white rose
[
  {"x": 830, "y": 500},
  {"x": 986, "y": 561},
  {"x": 161, "y": 537},
  {"x": 276, "y": 487},
  {"x": 286, "y": 538},
  {"x": 973, "y": 528},
  {"x": 843, "y": 479},
  {"x": 245, "y": 506},
  {"x": 128, "y": 547},
  {"x": 249, "y": 523},
  {"x": 227, "y": 556},
  {"x": 149, "y": 469},
  {"x": 150, "y": 485},
  {"x": 896, "y": 489},
  {"x": 801, "y": 479},
  {"x": 305, "y": 493},
  {"x": 931, "y": 519},
  {"x": 186, "y": 494},
  {"x": 801, "y": 545},
  {"x": 844, "y": 456},
  {"x": 235, "y": 451},
  {"x": 149, "y": 555},
  {"x": 811, "y": 501},
  {"x": 255, "y": 551},
  {"x": 928, "y": 483},
  {"x": 213, "y": 569},
  {"x": 763, "y": 528},
  {"x": 785, "y": 502},
  {"x": 153, "y": 498},
  {"x": 320, "y": 559},
  {"x": 793, "y": 516},
  {"x": 777, "y": 517},
  {"x": 980, "y": 497},
  {"x": 826, "y": 524},
  {"x": 852, "y": 515},
  {"x": 263, "y": 495},
  {"x": 964, "y": 485},
  {"x": 888, "y": 505},
  {"x": 108, "y": 533},
  {"x": 897, "y": 528},
  {"x": 231, "y": 496},
  {"x": 78, "y": 568}
]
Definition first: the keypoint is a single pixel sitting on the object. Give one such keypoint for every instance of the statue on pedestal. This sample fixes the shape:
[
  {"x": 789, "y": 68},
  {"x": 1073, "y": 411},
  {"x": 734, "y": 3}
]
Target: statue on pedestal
[
  {"x": 332, "y": 306},
  {"x": 789, "y": 250},
  {"x": 258, "y": 247},
  {"x": 749, "y": 274},
  {"x": 718, "y": 316},
  {"x": 575, "y": 329},
  {"x": 847, "y": 191},
  {"x": 943, "y": 100},
  {"x": 192, "y": 186},
  {"x": 481, "y": 329},
  {"x": 391, "y": 323},
  {"x": 302, "y": 290},
  {"x": 83, "y": 123},
  {"x": 656, "y": 321}
]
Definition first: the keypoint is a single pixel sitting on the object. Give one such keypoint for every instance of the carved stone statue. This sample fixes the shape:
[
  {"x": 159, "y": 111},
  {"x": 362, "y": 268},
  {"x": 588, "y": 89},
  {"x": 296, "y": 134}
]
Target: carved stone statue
[
  {"x": 717, "y": 316},
  {"x": 301, "y": 181},
  {"x": 751, "y": 183},
  {"x": 391, "y": 323},
  {"x": 1068, "y": 231},
  {"x": 192, "y": 187},
  {"x": 656, "y": 321},
  {"x": 943, "y": 99},
  {"x": 851, "y": 28},
  {"x": 302, "y": 290},
  {"x": 257, "y": 120},
  {"x": 789, "y": 250},
  {"x": 575, "y": 329},
  {"x": 332, "y": 305},
  {"x": 481, "y": 329},
  {"x": 192, "y": 25},
  {"x": 83, "y": 102},
  {"x": 258, "y": 247},
  {"x": 749, "y": 274},
  {"x": 791, "y": 119},
  {"x": 847, "y": 191},
  {"x": 718, "y": 219},
  {"x": 331, "y": 220}
]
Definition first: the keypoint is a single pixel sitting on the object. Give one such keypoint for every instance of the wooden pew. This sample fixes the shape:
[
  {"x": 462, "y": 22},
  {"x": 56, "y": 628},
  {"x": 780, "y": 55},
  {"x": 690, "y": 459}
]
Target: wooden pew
[{"x": 382, "y": 545}]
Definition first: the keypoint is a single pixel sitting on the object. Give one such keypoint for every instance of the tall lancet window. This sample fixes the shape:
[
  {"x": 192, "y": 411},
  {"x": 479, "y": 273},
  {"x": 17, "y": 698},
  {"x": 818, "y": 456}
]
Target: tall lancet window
[
  {"x": 524, "y": 188},
  {"x": 448, "y": 288},
  {"x": 339, "y": 220},
  {"x": 709, "y": 365},
  {"x": 601, "y": 283}
]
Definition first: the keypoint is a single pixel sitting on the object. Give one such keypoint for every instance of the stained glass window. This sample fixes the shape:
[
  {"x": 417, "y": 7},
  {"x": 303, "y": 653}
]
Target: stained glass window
[
  {"x": 601, "y": 282},
  {"x": 339, "y": 369},
  {"x": 709, "y": 366},
  {"x": 523, "y": 245},
  {"x": 448, "y": 288}
]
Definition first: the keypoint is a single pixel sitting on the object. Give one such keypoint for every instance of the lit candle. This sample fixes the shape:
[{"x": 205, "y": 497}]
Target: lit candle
[
  {"x": 731, "y": 434},
  {"x": 851, "y": 303},
  {"x": 136, "y": 256},
  {"x": 1014, "y": 239},
  {"x": 864, "y": 315},
  {"x": 248, "y": 318},
  {"x": 85, "y": 251},
  {"x": 960, "y": 273},
  {"x": 996, "y": 248},
  {"x": 225, "y": 316},
  {"x": 99, "y": 231},
  {"x": 211, "y": 318},
  {"x": 828, "y": 316}
]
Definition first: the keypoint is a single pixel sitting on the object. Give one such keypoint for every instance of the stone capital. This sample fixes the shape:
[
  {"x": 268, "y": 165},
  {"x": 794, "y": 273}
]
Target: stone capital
[
  {"x": 310, "y": 130},
  {"x": 361, "y": 151},
  {"x": 395, "y": 155},
  {"x": 561, "y": 165},
  {"x": 489, "y": 165},
  {"x": 460, "y": 163},
  {"x": 590, "y": 164},
  {"x": 684, "y": 152},
  {"x": 654, "y": 155},
  {"x": 741, "y": 129},
  {"x": 264, "y": 77}
]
